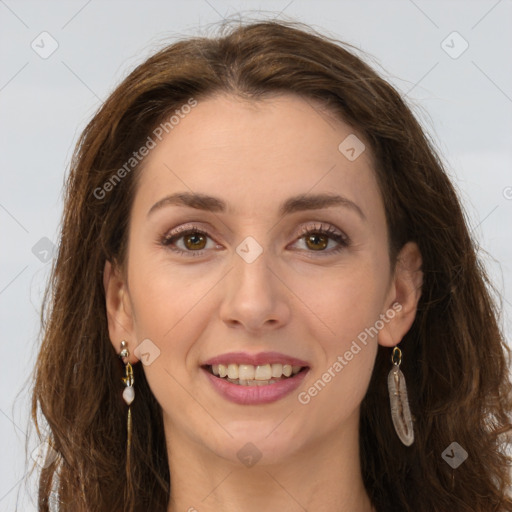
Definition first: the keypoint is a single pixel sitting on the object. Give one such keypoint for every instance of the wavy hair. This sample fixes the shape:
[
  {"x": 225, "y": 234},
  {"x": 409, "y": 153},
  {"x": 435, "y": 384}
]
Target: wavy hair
[{"x": 457, "y": 367}]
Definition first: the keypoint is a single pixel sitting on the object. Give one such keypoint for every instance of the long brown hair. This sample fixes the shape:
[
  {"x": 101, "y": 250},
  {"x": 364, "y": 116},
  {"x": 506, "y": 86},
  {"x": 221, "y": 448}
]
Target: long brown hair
[{"x": 457, "y": 360}]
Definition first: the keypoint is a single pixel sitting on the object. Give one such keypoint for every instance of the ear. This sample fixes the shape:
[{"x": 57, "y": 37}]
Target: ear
[
  {"x": 403, "y": 296},
  {"x": 119, "y": 310}
]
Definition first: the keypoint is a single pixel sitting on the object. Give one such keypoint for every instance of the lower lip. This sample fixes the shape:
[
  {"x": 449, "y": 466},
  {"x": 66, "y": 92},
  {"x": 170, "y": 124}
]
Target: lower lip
[{"x": 253, "y": 395}]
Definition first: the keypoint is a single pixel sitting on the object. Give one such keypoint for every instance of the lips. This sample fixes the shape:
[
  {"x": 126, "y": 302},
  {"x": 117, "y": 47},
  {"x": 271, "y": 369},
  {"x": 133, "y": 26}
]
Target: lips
[{"x": 254, "y": 392}]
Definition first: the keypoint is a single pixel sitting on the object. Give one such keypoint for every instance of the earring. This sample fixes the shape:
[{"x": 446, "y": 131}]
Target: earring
[
  {"x": 400, "y": 410},
  {"x": 128, "y": 396}
]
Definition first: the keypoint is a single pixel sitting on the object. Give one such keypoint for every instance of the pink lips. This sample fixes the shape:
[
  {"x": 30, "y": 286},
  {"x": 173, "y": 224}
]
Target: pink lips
[{"x": 254, "y": 395}]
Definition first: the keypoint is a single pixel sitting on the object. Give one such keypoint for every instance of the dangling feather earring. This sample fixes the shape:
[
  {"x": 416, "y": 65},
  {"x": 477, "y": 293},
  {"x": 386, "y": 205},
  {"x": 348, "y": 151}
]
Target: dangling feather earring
[
  {"x": 128, "y": 396},
  {"x": 400, "y": 410}
]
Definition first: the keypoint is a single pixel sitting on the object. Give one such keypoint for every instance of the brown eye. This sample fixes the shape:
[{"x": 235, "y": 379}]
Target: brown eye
[
  {"x": 194, "y": 241},
  {"x": 190, "y": 242},
  {"x": 317, "y": 241}
]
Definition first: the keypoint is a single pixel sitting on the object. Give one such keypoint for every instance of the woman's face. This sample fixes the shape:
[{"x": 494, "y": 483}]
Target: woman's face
[{"x": 237, "y": 272}]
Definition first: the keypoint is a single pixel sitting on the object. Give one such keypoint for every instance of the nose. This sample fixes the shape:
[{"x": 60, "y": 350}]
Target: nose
[{"x": 255, "y": 297}]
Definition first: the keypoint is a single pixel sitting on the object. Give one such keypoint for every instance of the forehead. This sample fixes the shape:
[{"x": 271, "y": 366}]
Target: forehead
[{"x": 254, "y": 153}]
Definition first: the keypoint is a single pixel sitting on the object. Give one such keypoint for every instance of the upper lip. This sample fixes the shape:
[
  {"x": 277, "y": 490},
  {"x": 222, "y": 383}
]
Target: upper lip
[{"x": 255, "y": 359}]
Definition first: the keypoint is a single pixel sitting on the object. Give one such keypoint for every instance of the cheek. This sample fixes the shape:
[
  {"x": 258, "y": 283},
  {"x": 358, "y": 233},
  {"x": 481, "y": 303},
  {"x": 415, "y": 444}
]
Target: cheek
[
  {"x": 169, "y": 309},
  {"x": 347, "y": 305},
  {"x": 350, "y": 309},
  {"x": 344, "y": 300},
  {"x": 165, "y": 296},
  {"x": 172, "y": 308}
]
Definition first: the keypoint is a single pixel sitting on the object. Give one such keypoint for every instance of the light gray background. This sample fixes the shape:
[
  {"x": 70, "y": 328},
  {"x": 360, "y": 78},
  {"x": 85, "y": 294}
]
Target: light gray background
[{"x": 464, "y": 102}]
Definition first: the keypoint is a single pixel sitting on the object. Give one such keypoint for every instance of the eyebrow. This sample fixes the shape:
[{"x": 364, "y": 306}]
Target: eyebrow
[{"x": 301, "y": 202}]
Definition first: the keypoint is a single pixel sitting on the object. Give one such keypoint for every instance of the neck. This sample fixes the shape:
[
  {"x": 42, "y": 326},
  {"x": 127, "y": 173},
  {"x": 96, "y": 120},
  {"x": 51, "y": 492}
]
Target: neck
[{"x": 324, "y": 475}]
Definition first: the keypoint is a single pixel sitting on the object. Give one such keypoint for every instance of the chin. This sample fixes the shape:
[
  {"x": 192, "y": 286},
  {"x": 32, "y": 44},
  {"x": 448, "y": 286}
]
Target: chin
[{"x": 252, "y": 445}]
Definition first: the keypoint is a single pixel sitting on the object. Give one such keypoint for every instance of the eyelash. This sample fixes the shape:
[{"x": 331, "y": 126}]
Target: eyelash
[{"x": 332, "y": 234}]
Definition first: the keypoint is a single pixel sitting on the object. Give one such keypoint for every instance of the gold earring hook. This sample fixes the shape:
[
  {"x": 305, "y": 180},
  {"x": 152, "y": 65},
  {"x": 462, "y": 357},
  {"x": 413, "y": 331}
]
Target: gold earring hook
[{"x": 396, "y": 356}]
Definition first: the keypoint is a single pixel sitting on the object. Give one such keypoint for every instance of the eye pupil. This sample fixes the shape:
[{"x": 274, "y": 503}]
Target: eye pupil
[
  {"x": 196, "y": 239},
  {"x": 314, "y": 239}
]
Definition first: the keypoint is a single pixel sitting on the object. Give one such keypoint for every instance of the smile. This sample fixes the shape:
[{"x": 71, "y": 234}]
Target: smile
[{"x": 251, "y": 375}]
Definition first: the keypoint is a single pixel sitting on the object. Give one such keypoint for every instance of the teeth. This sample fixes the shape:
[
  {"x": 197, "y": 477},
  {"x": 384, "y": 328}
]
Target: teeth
[
  {"x": 250, "y": 373},
  {"x": 277, "y": 370},
  {"x": 246, "y": 372},
  {"x": 233, "y": 371},
  {"x": 253, "y": 382},
  {"x": 263, "y": 372}
]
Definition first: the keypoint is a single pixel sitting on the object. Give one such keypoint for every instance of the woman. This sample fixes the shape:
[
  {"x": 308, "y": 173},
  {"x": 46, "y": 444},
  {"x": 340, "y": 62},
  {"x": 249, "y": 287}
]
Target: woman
[{"x": 266, "y": 297}]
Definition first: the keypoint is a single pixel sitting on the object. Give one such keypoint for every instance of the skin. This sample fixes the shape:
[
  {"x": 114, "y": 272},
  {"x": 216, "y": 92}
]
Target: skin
[{"x": 294, "y": 299}]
